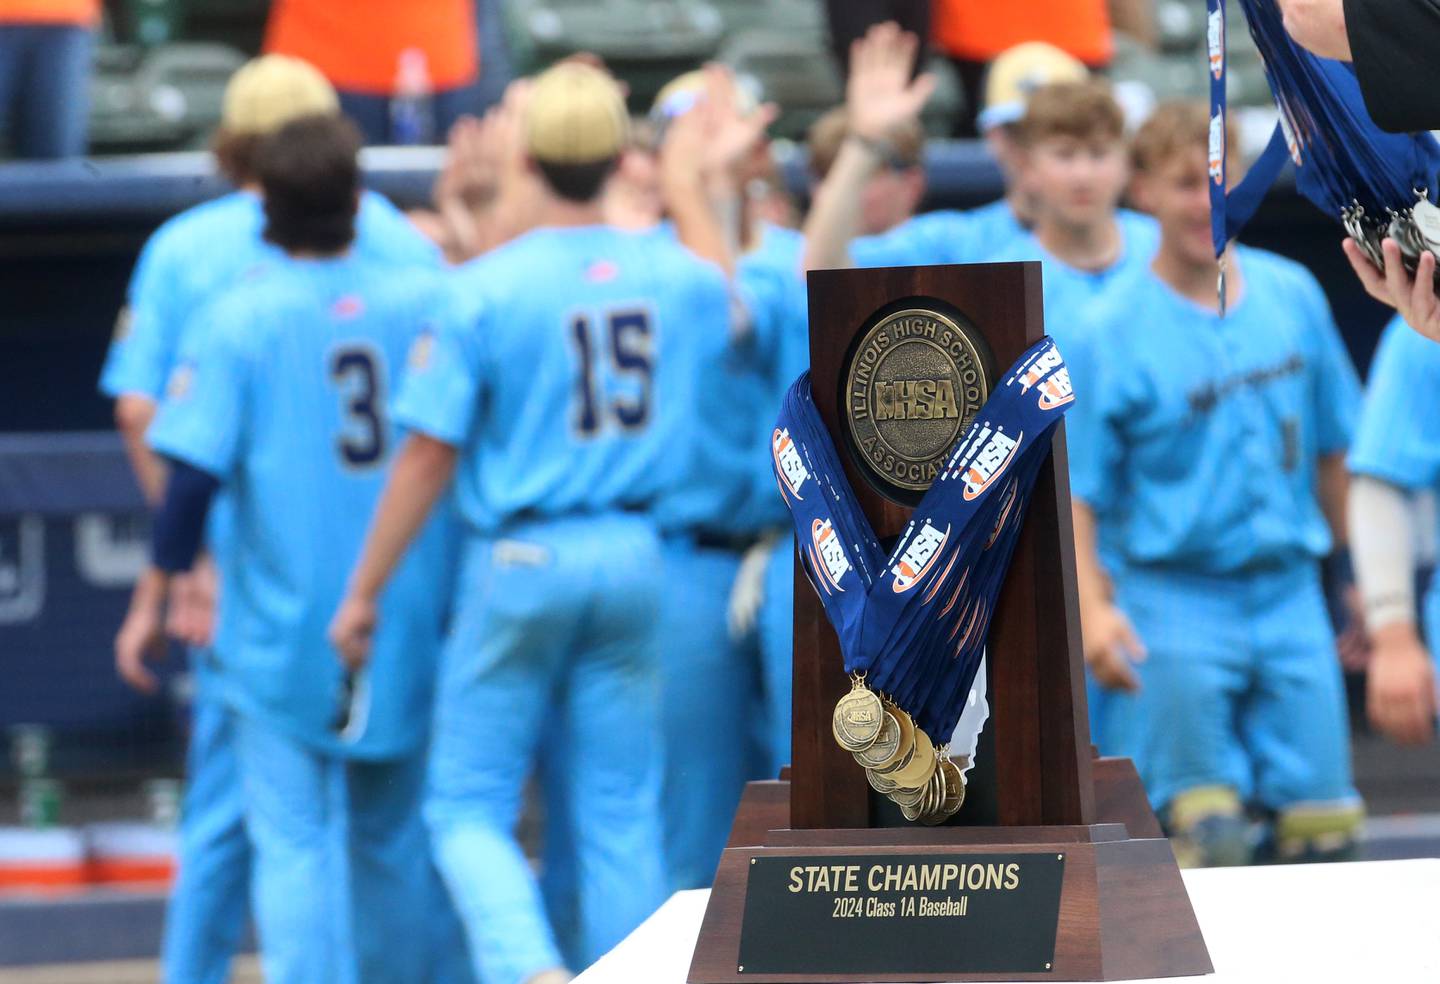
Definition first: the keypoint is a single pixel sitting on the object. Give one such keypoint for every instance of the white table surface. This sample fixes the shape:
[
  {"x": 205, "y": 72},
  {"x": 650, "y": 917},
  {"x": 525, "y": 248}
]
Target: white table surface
[{"x": 1370, "y": 922}]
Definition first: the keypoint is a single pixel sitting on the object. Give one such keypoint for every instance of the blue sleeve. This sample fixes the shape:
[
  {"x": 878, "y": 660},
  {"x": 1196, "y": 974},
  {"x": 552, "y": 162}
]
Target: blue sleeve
[
  {"x": 202, "y": 418},
  {"x": 1336, "y": 386},
  {"x": 947, "y": 236},
  {"x": 180, "y": 523},
  {"x": 767, "y": 298},
  {"x": 1092, "y": 435},
  {"x": 1397, "y": 439},
  {"x": 445, "y": 376},
  {"x": 384, "y": 233},
  {"x": 142, "y": 350}
]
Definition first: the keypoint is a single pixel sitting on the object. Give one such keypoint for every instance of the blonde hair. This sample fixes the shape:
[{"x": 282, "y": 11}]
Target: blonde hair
[
  {"x": 1174, "y": 128},
  {"x": 1082, "y": 109}
]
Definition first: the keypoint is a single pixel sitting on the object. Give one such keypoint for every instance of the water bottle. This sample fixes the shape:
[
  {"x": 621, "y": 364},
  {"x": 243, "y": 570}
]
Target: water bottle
[{"x": 412, "y": 110}]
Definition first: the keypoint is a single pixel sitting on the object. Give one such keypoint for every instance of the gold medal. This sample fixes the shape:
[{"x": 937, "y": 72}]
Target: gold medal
[
  {"x": 922, "y": 764},
  {"x": 903, "y": 751},
  {"x": 858, "y": 718},
  {"x": 907, "y": 797},
  {"x": 879, "y": 783},
  {"x": 884, "y": 746},
  {"x": 935, "y": 800},
  {"x": 954, "y": 788}
]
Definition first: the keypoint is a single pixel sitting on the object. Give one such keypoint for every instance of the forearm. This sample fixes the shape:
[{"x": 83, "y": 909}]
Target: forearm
[
  {"x": 179, "y": 529},
  {"x": 133, "y": 414},
  {"x": 1333, "y": 484},
  {"x": 698, "y": 223},
  {"x": 422, "y": 470},
  {"x": 1382, "y": 550},
  {"x": 834, "y": 217}
]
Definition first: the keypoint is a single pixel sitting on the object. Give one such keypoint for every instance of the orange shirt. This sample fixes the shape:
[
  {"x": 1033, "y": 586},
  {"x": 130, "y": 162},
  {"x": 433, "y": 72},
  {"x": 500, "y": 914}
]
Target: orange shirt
[
  {"x": 82, "y": 13},
  {"x": 356, "y": 44},
  {"x": 978, "y": 30}
]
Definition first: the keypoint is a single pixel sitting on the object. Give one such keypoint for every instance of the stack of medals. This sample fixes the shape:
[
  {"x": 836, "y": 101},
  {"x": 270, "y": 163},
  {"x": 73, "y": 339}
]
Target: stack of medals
[
  {"x": 912, "y": 623},
  {"x": 900, "y": 760},
  {"x": 1378, "y": 183}
]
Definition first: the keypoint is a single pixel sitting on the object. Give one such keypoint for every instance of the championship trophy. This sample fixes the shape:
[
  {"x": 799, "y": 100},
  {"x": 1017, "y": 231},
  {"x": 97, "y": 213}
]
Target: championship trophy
[{"x": 923, "y": 459}]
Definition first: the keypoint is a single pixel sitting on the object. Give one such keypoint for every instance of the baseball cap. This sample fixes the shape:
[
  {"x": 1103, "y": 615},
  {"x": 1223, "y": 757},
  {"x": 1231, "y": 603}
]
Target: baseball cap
[
  {"x": 270, "y": 91},
  {"x": 1019, "y": 71},
  {"x": 576, "y": 115},
  {"x": 677, "y": 96}
]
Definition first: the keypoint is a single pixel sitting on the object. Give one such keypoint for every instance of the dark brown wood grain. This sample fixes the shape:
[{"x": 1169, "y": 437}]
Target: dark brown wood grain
[
  {"x": 1037, "y": 692},
  {"x": 1120, "y": 797},
  {"x": 1124, "y": 911}
]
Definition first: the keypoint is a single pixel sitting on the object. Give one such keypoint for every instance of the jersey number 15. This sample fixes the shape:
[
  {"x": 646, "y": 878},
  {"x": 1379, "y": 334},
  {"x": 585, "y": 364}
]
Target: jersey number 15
[{"x": 628, "y": 342}]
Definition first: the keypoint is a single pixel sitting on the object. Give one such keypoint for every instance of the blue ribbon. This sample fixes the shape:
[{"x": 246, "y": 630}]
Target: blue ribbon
[
  {"x": 914, "y": 620},
  {"x": 1342, "y": 158}
]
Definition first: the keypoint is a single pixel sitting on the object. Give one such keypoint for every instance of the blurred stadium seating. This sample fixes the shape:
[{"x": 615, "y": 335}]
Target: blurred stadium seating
[{"x": 160, "y": 65}]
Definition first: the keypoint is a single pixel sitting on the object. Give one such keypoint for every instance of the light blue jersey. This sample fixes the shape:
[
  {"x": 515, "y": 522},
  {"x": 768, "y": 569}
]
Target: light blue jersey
[
  {"x": 1070, "y": 293},
  {"x": 1396, "y": 440},
  {"x": 561, "y": 407},
  {"x": 1195, "y": 438},
  {"x": 779, "y": 247},
  {"x": 204, "y": 250},
  {"x": 944, "y": 236},
  {"x": 281, "y": 394}
]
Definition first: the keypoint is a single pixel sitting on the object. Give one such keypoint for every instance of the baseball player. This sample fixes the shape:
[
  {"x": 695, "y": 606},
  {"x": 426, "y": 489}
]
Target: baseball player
[
  {"x": 188, "y": 262},
  {"x": 1206, "y": 455},
  {"x": 560, "y": 408},
  {"x": 889, "y": 128},
  {"x": 1394, "y": 457},
  {"x": 279, "y": 399},
  {"x": 1072, "y": 139},
  {"x": 710, "y": 666}
]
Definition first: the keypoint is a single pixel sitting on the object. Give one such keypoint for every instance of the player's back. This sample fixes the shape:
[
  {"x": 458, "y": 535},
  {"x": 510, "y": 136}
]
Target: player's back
[
  {"x": 200, "y": 253},
  {"x": 586, "y": 344},
  {"x": 320, "y": 343}
]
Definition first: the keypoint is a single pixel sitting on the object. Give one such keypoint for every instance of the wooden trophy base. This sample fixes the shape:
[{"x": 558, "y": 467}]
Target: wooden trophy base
[{"x": 1123, "y": 912}]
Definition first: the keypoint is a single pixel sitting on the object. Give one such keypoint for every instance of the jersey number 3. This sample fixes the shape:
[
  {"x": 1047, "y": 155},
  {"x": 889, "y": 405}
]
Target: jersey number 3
[
  {"x": 355, "y": 370},
  {"x": 628, "y": 342}
]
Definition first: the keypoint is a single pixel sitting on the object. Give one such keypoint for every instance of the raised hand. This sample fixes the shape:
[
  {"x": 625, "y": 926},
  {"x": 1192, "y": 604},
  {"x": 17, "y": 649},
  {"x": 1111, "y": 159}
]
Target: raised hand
[
  {"x": 731, "y": 134},
  {"x": 880, "y": 96}
]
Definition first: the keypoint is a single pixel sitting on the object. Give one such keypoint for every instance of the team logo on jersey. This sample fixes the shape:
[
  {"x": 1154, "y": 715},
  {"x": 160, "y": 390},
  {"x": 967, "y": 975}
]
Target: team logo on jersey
[
  {"x": 827, "y": 553},
  {"x": 1217, "y": 149},
  {"x": 1215, "y": 39},
  {"x": 1044, "y": 362},
  {"x": 422, "y": 350},
  {"x": 919, "y": 557},
  {"x": 347, "y": 307},
  {"x": 182, "y": 378},
  {"x": 997, "y": 450},
  {"x": 601, "y": 271},
  {"x": 788, "y": 465},
  {"x": 1056, "y": 391}
]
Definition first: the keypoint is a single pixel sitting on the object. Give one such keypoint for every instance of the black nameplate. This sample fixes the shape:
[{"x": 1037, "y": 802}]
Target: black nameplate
[{"x": 892, "y": 914}]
